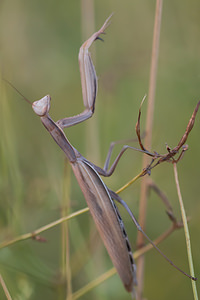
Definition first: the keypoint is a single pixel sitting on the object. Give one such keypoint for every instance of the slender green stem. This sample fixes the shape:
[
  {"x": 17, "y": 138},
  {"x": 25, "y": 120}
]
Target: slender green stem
[
  {"x": 57, "y": 222},
  {"x": 88, "y": 287},
  {"x": 187, "y": 235},
  {"x": 130, "y": 182},
  {"x": 91, "y": 285},
  {"x": 42, "y": 229}
]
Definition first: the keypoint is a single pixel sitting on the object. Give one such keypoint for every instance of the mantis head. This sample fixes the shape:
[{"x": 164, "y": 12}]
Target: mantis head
[{"x": 42, "y": 106}]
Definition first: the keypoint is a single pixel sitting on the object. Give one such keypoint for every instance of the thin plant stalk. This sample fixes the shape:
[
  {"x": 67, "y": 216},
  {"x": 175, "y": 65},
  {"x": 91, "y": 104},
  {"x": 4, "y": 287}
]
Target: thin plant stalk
[
  {"x": 105, "y": 276},
  {"x": 87, "y": 27},
  {"x": 130, "y": 182},
  {"x": 5, "y": 289},
  {"x": 92, "y": 145},
  {"x": 186, "y": 229},
  {"x": 66, "y": 270},
  {"x": 35, "y": 234},
  {"x": 10, "y": 171},
  {"x": 148, "y": 138}
]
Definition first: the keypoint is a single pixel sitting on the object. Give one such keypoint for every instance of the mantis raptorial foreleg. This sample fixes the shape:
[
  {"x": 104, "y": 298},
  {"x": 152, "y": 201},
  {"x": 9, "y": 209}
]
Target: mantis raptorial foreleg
[{"x": 88, "y": 81}]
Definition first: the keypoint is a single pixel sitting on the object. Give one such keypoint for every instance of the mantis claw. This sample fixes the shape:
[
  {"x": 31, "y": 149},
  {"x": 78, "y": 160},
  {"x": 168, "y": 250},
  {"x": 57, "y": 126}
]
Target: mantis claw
[{"x": 87, "y": 70}]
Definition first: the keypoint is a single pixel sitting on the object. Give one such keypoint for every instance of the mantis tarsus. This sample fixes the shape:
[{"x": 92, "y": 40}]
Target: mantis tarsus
[{"x": 99, "y": 198}]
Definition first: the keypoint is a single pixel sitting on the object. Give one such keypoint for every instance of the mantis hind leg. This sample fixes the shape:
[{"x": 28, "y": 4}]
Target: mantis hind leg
[{"x": 123, "y": 203}]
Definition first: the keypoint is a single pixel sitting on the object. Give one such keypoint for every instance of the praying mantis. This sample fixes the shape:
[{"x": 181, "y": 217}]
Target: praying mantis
[{"x": 100, "y": 199}]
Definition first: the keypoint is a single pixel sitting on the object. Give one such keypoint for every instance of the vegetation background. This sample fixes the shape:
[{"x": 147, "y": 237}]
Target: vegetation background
[{"x": 40, "y": 41}]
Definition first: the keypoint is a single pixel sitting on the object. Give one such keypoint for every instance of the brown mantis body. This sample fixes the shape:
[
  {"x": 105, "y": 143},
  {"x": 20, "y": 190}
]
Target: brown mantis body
[{"x": 98, "y": 197}]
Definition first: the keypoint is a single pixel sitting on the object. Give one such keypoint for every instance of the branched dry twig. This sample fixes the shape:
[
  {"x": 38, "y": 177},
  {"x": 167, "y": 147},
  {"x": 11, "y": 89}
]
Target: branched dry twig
[{"x": 169, "y": 156}]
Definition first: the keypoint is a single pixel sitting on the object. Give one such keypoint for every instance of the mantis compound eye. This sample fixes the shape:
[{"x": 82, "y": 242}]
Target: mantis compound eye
[{"x": 42, "y": 106}]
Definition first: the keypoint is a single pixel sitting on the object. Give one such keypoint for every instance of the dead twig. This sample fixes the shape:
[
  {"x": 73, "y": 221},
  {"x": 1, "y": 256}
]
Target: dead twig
[{"x": 171, "y": 153}]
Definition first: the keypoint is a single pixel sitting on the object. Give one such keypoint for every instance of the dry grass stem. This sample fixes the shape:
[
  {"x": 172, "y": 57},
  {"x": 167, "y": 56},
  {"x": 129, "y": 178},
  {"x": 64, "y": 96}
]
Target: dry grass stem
[
  {"x": 66, "y": 204},
  {"x": 94, "y": 283},
  {"x": 148, "y": 138},
  {"x": 2, "y": 282},
  {"x": 91, "y": 130}
]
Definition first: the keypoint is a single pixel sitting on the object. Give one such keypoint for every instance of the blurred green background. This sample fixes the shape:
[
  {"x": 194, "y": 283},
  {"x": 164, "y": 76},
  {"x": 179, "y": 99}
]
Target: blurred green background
[{"x": 40, "y": 41}]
